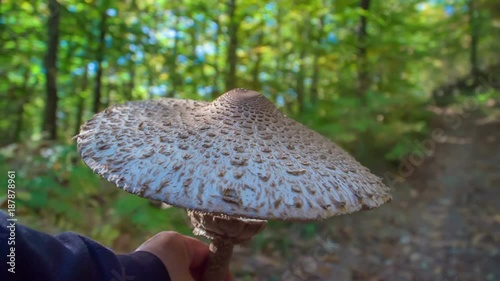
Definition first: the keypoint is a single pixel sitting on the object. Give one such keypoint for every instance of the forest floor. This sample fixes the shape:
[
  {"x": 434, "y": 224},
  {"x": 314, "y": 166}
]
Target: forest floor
[{"x": 443, "y": 223}]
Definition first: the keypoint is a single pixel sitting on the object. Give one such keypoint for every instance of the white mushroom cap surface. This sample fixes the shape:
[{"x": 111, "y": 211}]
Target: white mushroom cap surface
[{"x": 238, "y": 156}]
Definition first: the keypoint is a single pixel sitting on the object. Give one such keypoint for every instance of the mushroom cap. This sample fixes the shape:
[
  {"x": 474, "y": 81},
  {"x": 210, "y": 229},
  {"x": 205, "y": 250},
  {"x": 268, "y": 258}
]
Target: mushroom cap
[{"x": 237, "y": 156}]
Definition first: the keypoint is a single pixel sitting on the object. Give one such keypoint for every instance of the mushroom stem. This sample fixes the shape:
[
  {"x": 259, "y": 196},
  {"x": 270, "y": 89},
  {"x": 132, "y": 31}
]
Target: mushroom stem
[
  {"x": 218, "y": 261},
  {"x": 224, "y": 232}
]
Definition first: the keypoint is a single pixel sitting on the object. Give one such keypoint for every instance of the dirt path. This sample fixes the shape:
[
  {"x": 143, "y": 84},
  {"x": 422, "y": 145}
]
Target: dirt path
[{"x": 443, "y": 224}]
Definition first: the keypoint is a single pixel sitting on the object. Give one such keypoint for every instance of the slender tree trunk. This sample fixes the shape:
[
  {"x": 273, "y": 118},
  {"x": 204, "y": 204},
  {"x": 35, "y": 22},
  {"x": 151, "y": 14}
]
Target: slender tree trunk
[
  {"x": 81, "y": 101},
  {"x": 215, "y": 89},
  {"x": 258, "y": 62},
  {"x": 474, "y": 38},
  {"x": 279, "y": 51},
  {"x": 362, "y": 42},
  {"x": 313, "y": 95},
  {"x": 172, "y": 65},
  {"x": 100, "y": 58},
  {"x": 18, "y": 129},
  {"x": 18, "y": 125},
  {"x": 24, "y": 98},
  {"x": 151, "y": 82},
  {"x": 11, "y": 94},
  {"x": 131, "y": 84},
  {"x": 107, "y": 89},
  {"x": 363, "y": 75},
  {"x": 196, "y": 65},
  {"x": 232, "y": 58},
  {"x": 205, "y": 79},
  {"x": 300, "y": 82},
  {"x": 316, "y": 69},
  {"x": 301, "y": 75},
  {"x": 50, "y": 116},
  {"x": 2, "y": 27},
  {"x": 79, "y": 114}
]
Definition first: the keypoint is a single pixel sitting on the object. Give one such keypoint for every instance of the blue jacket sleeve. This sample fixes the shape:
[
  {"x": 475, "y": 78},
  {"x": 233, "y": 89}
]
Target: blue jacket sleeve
[{"x": 29, "y": 255}]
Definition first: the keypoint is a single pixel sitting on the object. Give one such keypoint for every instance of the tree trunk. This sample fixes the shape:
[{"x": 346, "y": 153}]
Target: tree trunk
[
  {"x": 204, "y": 79},
  {"x": 196, "y": 65},
  {"x": 18, "y": 129},
  {"x": 258, "y": 61},
  {"x": 81, "y": 102},
  {"x": 300, "y": 89},
  {"x": 362, "y": 42},
  {"x": 100, "y": 58},
  {"x": 50, "y": 115},
  {"x": 300, "y": 82},
  {"x": 18, "y": 126},
  {"x": 316, "y": 70},
  {"x": 131, "y": 84},
  {"x": 232, "y": 58},
  {"x": 474, "y": 38},
  {"x": 108, "y": 87},
  {"x": 172, "y": 61},
  {"x": 215, "y": 89},
  {"x": 23, "y": 100},
  {"x": 151, "y": 81},
  {"x": 279, "y": 60},
  {"x": 363, "y": 76}
]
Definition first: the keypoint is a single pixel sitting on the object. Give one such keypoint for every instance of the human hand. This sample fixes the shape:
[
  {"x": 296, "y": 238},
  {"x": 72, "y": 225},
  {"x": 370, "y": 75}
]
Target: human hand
[{"x": 184, "y": 257}]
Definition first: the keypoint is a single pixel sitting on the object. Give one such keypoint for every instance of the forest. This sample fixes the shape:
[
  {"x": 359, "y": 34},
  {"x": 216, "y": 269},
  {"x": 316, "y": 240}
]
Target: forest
[{"x": 379, "y": 78}]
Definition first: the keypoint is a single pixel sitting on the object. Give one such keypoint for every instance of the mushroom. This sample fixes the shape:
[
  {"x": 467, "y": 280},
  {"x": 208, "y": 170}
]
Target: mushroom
[{"x": 233, "y": 164}]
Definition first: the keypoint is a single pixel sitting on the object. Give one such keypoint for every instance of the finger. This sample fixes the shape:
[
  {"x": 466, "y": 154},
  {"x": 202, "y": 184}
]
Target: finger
[{"x": 198, "y": 252}]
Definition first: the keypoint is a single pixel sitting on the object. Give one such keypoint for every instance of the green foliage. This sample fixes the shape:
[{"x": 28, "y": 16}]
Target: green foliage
[
  {"x": 310, "y": 230},
  {"x": 484, "y": 102},
  {"x": 384, "y": 122}
]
